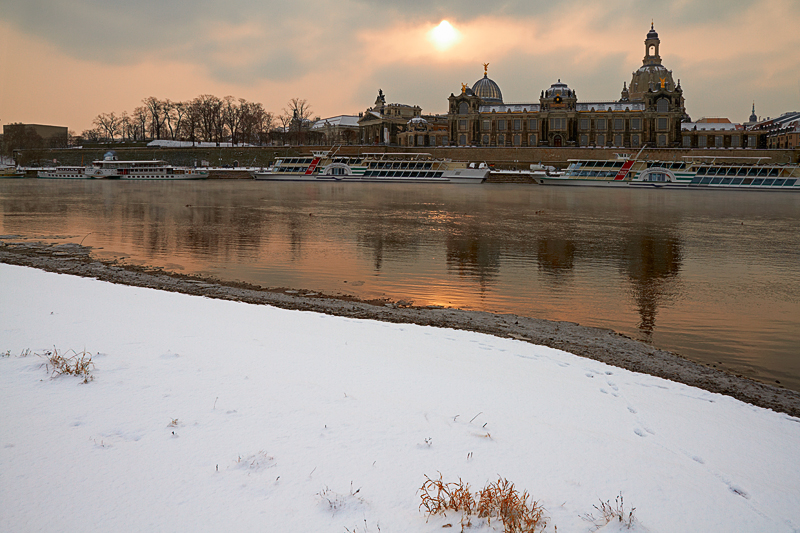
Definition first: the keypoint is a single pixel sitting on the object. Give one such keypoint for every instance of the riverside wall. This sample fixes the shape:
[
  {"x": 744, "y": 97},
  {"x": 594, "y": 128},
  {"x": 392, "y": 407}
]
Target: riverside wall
[{"x": 500, "y": 157}]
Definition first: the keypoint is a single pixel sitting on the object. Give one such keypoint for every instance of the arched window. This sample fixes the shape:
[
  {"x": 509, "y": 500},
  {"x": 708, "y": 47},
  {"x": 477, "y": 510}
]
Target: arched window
[
  {"x": 463, "y": 108},
  {"x": 662, "y": 106},
  {"x": 652, "y": 50}
]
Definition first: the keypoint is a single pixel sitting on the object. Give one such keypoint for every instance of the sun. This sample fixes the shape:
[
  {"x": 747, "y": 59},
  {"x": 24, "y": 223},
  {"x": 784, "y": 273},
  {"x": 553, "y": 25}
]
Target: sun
[{"x": 444, "y": 35}]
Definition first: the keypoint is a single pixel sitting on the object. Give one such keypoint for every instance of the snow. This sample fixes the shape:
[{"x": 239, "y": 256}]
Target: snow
[
  {"x": 212, "y": 415},
  {"x": 168, "y": 143}
]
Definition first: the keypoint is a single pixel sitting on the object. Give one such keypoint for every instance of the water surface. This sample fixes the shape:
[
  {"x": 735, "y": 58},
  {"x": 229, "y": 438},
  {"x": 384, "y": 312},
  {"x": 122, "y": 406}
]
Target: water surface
[{"x": 713, "y": 275}]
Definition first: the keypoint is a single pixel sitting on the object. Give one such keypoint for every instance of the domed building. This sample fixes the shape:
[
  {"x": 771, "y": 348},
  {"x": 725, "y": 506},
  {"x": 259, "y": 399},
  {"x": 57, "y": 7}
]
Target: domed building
[
  {"x": 486, "y": 89},
  {"x": 649, "y": 112}
]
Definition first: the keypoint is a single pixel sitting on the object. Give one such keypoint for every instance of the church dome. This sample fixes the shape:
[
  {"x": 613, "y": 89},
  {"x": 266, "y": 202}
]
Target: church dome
[
  {"x": 558, "y": 89},
  {"x": 487, "y": 90}
]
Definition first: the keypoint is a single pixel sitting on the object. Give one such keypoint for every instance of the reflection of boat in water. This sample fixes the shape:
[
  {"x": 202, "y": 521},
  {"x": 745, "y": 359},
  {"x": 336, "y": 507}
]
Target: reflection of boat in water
[
  {"x": 111, "y": 167},
  {"x": 64, "y": 172},
  {"x": 373, "y": 167},
  {"x": 691, "y": 173},
  {"x": 8, "y": 171}
]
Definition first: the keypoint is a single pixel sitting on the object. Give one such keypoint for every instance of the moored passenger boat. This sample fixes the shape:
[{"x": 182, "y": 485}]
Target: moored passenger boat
[
  {"x": 64, "y": 172},
  {"x": 373, "y": 167},
  {"x": 111, "y": 167},
  {"x": 8, "y": 171},
  {"x": 691, "y": 173}
]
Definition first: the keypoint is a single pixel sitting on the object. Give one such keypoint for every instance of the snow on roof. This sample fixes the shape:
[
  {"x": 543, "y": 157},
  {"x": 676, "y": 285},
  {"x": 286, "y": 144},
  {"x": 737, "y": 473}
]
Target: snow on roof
[
  {"x": 340, "y": 120},
  {"x": 505, "y": 108},
  {"x": 710, "y": 126},
  {"x": 613, "y": 106}
]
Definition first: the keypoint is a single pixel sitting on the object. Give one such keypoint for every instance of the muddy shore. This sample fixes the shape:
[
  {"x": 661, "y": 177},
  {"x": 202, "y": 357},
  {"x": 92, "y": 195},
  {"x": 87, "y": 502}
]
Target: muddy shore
[{"x": 595, "y": 343}]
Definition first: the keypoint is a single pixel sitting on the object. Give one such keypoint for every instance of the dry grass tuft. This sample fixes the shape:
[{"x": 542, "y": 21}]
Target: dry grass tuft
[
  {"x": 611, "y": 513},
  {"x": 77, "y": 364},
  {"x": 518, "y": 512}
]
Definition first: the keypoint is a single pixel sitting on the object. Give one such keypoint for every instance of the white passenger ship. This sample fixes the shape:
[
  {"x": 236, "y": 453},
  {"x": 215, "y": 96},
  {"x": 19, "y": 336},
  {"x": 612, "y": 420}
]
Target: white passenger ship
[
  {"x": 739, "y": 173},
  {"x": 111, "y": 167},
  {"x": 63, "y": 172},
  {"x": 373, "y": 167}
]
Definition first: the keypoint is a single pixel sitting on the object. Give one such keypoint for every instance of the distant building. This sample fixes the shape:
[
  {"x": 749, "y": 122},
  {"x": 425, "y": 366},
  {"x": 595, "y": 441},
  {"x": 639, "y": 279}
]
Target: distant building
[
  {"x": 649, "y": 112},
  {"x": 53, "y": 136},
  {"x": 717, "y": 133},
  {"x": 425, "y": 130},
  {"x": 342, "y": 129},
  {"x": 381, "y": 123}
]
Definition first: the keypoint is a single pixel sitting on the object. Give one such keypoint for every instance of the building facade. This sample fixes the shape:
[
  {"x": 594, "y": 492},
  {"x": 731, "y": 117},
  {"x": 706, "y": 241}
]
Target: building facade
[
  {"x": 648, "y": 112},
  {"x": 381, "y": 123}
]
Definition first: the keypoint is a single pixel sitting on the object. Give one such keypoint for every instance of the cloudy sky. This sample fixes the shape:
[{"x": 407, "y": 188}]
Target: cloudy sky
[{"x": 66, "y": 61}]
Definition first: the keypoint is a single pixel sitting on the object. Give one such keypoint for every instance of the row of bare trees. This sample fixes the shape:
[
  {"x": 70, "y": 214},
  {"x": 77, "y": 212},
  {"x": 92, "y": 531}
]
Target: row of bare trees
[{"x": 206, "y": 118}]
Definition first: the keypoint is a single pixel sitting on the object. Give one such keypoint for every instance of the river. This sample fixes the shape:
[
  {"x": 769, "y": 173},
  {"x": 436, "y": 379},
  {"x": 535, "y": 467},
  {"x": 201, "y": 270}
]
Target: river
[{"x": 712, "y": 275}]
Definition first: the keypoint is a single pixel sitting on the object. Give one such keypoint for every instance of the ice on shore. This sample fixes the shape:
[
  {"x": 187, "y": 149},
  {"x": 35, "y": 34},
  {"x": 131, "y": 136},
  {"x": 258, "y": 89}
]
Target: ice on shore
[{"x": 211, "y": 415}]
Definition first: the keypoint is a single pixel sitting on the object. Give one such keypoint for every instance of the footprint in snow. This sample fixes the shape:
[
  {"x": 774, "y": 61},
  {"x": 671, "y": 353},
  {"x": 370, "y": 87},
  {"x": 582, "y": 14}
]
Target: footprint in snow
[
  {"x": 612, "y": 385},
  {"x": 698, "y": 459},
  {"x": 639, "y": 432},
  {"x": 632, "y": 410}
]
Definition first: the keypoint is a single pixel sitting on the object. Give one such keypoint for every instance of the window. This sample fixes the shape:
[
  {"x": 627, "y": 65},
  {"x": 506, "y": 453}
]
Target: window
[
  {"x": 517, "y": 124},
  {"x": 751, "y": 141},
  {"x": 601, "y": 140},
  {"x": 487, "y": 125},
  {"x": 619, "y": 124},
  {"x": 533, "y": 124},
  {"x": 558, "y": 123},
  {"x": 463, "y": 108},
  {"x": 420, "y": 140},
  {"x": 636, "y": 124},
  {"x": 719, "y": 141},
  {"x": 617, "y": 140},
  {"x": 517, "y": 140},
  {"x": 662, "y": 106},
  {"x": 501, "y": 140},
  {"x": 462, "y": 140},
  {"x": 735, "y": 143},
  {"x": 584, "y": 124},
  {"x": 663, "y": 124},
  {"x": 701, "y": 141},
  {"x": 662, "y": 140},
  {"x": 485, "y": 140},
  {"x": 584, "y": 140},
  {"x": 600, "y": 124},
  {"x": 532, "y": 141},
  {"x": 634, "y": 141},
  {"x": 462, "y": 125},
  {"x": 501, "y": 124}
]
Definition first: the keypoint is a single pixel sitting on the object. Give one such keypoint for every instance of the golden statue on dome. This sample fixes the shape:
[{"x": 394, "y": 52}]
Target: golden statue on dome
[{"x": 486, "y": 69}]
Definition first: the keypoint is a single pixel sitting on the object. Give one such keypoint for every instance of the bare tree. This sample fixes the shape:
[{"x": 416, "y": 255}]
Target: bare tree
[
  {"x": 139, "y": 121},
  {"x": 157, "y": 115},
  {"x": 108, "y": 124}
]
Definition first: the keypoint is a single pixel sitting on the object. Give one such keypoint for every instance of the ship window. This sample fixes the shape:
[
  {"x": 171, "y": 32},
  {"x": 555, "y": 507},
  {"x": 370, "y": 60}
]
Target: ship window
[
  {"x": 716, "y": 181},
  {"x": 775, "y": 172},
  {"x": 790, "y": 183},
  {"x": 706, "y": 180},
  {"x": 758, "y": 181},
  {"x": 696, "y": 180},
  {"x": 768, "y": 183},
  {"x": 747, "y": 181},
  {"x": 752, "y": 172},
  {"x": 731, "y": 171},
  {"x": 779, "y": 183},
  {"x": 727, "y": 181},
  {"x": 741, "y": 171},
  {"x": 763, "y": 171}
]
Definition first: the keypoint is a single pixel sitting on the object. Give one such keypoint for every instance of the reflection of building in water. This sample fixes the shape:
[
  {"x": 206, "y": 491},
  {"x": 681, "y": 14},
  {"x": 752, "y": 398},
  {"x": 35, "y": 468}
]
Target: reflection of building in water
[
  {"x": 475, "y": 255},
  {"x": 555, "y": 256},
  {"x": 382, "y": 243},
  {"x": 653, "y": 264}
]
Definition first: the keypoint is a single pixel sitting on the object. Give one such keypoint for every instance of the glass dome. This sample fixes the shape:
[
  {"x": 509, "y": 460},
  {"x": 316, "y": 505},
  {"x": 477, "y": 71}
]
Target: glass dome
[
  {"x": 557, "y": 89},
  {"x": 487, "y": 90}
]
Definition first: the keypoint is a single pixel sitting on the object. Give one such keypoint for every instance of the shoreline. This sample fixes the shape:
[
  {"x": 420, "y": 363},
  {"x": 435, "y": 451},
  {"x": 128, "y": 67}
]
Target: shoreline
[{"x": 594, "y": 343}]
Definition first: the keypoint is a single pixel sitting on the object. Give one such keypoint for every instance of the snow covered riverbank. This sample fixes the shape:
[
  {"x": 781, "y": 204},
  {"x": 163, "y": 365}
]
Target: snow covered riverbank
[{"x": 211, "y": 415}]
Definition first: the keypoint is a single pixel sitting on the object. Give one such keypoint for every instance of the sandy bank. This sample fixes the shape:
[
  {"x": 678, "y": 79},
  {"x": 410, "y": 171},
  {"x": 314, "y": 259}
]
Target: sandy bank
[{"x": 595, "y": 343}]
